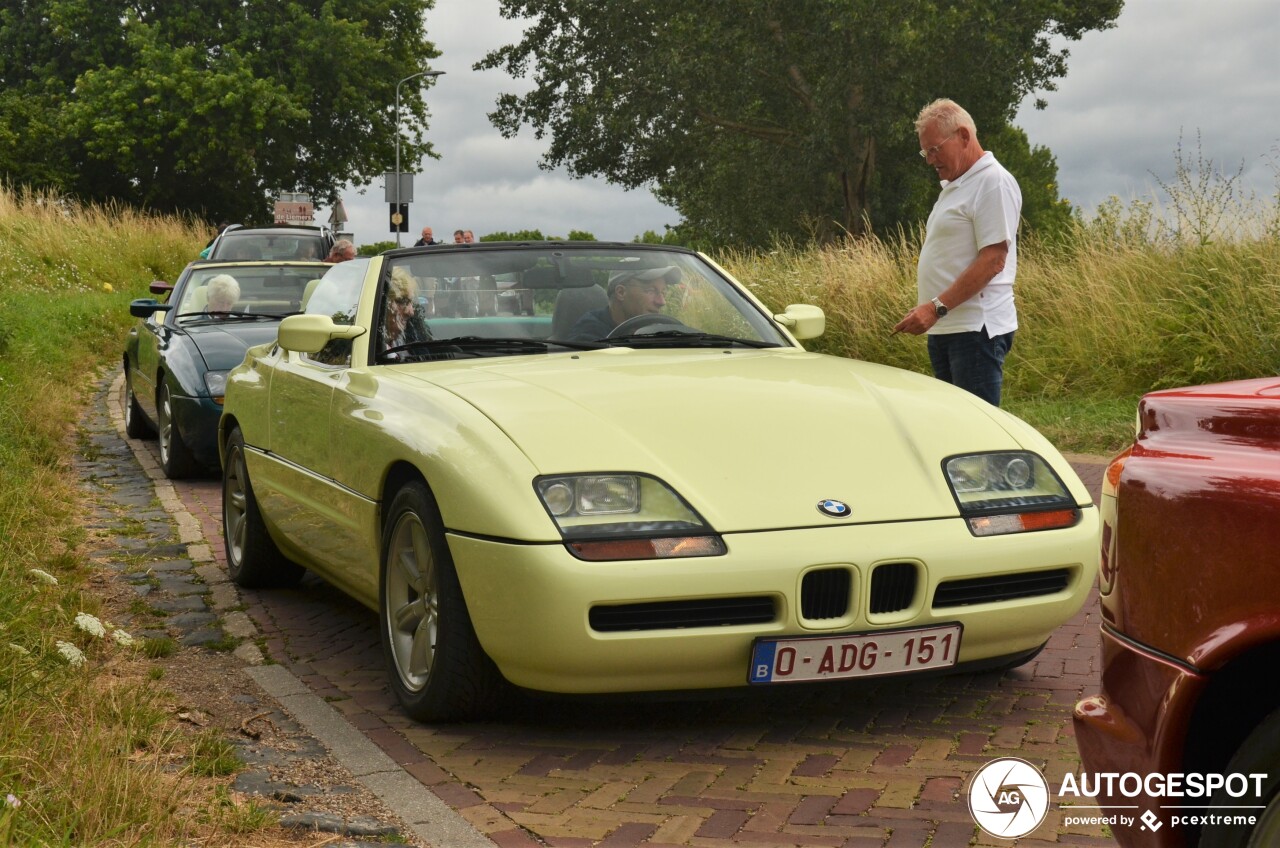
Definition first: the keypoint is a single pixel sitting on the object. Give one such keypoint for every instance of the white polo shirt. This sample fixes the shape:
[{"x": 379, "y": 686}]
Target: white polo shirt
[{"x": 980, "y": 208}]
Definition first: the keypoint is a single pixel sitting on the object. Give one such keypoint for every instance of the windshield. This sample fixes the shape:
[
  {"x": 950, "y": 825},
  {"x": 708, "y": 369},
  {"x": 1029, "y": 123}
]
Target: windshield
[
  {"x": 245, "y": 291},
  {"x": 249, "y": 247},
  {"x": 441, "y": 303}
]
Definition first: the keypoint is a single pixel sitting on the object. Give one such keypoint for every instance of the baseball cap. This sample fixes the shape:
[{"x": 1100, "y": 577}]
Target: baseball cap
[{"x": 669, "y": 273}]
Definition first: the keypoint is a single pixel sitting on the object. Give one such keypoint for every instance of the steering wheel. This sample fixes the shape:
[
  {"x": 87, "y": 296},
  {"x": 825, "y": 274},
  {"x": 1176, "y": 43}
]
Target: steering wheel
[{"x": 636, "y": 323}]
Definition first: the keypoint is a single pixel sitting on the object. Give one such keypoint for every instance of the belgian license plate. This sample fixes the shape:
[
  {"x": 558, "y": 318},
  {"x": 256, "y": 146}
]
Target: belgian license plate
[{"x": 854, "y": 655}]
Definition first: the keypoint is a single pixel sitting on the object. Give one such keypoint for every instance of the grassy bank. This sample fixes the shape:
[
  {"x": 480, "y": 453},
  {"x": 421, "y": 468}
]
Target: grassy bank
[{"x": 84, "y": 757}]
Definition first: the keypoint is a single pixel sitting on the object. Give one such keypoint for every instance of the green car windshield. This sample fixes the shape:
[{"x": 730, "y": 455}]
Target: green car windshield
[
  {"x": 245, "y": 290},
  {"x": 477, "y": 301}
]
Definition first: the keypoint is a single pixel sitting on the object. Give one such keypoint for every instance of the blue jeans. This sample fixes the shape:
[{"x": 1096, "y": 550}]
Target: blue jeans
[{"x": 973, "y": 361}]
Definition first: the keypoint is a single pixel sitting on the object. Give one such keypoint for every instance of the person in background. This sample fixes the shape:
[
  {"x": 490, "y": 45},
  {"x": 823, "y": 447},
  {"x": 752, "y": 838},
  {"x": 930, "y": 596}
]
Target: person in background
[
  {"x": 459, "y": 237},
  {"x": 428, "y": 238},
  {"x": 222, "y": 228},
  {"x": 964, "y": 279},
  {"x": 468, "y": 237},
  {"x": 343, "y": 250}
]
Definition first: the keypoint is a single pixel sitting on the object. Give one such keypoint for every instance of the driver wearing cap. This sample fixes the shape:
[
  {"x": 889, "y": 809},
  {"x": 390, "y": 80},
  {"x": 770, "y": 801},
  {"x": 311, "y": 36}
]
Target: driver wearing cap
[{"x": 631, "y": 293}]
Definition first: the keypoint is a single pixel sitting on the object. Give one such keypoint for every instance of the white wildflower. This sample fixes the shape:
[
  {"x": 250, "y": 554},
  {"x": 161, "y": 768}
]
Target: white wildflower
[
  {"x": 91, "y": 625},
  {"x": 11, "y": 800},
  {"x": 43, "y": 576},
  {"x": 124, "y": 639},
  {"x": 18, "y": 649},
  {"x": 73, "y": 655}
]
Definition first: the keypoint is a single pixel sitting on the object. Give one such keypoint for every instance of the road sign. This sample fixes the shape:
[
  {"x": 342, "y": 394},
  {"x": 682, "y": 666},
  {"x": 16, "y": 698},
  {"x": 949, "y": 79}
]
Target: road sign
[
  {"x": 294, "y": 209},
  {"x": 406, "y": 187},
  {"x": 399, "y": 218}
]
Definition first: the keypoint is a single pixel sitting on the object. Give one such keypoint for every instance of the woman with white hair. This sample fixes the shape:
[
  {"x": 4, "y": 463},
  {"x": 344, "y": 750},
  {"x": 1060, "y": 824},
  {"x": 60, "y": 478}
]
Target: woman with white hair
[{"x": 222, "y": 294}]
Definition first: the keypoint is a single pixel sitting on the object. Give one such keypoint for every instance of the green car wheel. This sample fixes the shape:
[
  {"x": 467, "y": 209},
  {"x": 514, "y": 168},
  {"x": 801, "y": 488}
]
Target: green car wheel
[
  {"x": 175, "y": 457},
  {"x": 135, "y": 423},
  {"x": 438, "y": 670}
]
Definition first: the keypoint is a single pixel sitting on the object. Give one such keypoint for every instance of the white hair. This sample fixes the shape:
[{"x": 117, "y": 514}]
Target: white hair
[
  {"x": 947, "y": 116},
  {"x": 224, "y": 290}
]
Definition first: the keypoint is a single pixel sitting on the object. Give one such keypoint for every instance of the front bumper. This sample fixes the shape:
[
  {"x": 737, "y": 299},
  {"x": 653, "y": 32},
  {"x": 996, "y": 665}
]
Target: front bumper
[
  {"x": 532, "y": 604},
  {"x": 1137, "y": 725}
]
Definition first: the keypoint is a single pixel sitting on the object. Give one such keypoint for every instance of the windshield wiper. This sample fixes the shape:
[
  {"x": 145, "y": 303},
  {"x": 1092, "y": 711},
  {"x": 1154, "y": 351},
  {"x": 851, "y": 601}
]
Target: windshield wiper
[
  {"x": 484, "y": 346},
  {"x": 677, "y": 338},
  {"x": 256, "y": 316}
]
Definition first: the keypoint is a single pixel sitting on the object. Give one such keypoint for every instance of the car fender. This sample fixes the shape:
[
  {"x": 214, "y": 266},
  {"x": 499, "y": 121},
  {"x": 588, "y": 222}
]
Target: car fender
[
  {"x": 183, "y": 367},
  {"x": 482, "y": 480}
]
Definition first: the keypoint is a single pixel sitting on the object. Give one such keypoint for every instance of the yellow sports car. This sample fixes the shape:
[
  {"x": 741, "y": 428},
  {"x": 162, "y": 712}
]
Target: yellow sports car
[{"x": 582, "y": 468}]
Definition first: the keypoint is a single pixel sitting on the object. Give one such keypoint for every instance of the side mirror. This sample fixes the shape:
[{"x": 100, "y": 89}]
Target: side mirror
[
  {"x": 804, "y": 321},
  {"x": 145, "y": 307},
  {"x": 160, "y": 287},
  {"x": 310, "y": 333}
]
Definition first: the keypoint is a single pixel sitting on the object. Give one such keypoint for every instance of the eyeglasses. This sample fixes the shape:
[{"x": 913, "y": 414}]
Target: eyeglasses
[
  {"x": 402, "y": 301},
  {"x": 648, "y": 288},
  {"x": 925, "y": 154}
]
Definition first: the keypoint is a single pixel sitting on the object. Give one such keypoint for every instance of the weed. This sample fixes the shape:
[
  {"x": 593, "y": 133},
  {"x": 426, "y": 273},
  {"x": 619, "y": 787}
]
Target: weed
[{"x": 213, "y": 756}]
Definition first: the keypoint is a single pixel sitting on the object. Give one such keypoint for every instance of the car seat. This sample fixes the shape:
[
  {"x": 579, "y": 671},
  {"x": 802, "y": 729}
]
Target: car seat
[{"x": 572, "y": 304}]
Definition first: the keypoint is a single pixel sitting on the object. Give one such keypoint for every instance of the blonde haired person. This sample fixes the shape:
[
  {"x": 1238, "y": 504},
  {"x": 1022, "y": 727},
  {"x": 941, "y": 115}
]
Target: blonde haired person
[
  {"x": 222, "y": 294},
  {"x": 401, "y": 324}
]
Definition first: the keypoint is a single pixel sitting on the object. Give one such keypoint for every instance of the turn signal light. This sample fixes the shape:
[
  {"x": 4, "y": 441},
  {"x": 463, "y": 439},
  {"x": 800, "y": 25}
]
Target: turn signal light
[
  {"x": 1023, "y": 522},
  {"x": 664, "y": 548}
]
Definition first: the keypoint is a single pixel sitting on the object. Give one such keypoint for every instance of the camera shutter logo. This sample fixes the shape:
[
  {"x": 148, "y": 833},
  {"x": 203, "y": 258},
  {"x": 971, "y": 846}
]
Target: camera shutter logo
[{"x": 1008, "y": 798}]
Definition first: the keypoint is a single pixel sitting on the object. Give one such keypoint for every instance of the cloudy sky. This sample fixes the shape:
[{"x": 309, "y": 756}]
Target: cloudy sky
[{"x": 1170, "y": 69}]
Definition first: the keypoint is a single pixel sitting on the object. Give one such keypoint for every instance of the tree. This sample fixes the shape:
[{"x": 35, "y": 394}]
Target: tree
[
  {"x": 208, "y": 106},
  {"x": 757, "y": 118}
]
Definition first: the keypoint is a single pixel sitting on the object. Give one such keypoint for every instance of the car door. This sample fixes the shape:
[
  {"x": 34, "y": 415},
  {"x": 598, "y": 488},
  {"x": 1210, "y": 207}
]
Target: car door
[
  {"x": 149, "y": 337},
  {"x": 316, "y": 514}
]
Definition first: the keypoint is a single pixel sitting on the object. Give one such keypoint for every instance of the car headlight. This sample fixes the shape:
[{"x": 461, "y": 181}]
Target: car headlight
[
  {"x": 625, "y": 516},
  {"x": 216, "y": 383},
  {"x": 1009, "y": 492}
]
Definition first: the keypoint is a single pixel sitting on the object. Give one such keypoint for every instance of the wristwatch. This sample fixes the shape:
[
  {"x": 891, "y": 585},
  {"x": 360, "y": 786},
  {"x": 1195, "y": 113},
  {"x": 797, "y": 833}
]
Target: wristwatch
[{"x": 940, "y": 307}]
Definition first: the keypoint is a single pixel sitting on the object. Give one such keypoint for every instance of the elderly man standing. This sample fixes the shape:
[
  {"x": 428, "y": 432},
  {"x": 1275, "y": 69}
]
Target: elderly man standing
[{"x": 970, "y": 257}]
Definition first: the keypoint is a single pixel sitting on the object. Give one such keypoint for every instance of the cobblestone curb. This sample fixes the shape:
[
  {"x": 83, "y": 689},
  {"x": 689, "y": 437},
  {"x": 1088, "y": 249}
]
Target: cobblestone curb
[{"x": 158, "y": 548}]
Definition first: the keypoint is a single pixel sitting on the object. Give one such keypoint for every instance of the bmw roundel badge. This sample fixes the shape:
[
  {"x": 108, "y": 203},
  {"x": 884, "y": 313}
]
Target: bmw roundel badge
[{"x": 834, "y": 508}]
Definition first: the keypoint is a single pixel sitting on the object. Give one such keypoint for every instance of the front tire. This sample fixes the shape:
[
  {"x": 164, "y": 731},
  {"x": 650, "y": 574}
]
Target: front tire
[
  {"x": 253, "y": 560},
  {"x": 1260, "y": 754},
  {"x": 437, "y": 668},
  {"x": 135, "y": 422},
  {"x": 175, "y": 457}
]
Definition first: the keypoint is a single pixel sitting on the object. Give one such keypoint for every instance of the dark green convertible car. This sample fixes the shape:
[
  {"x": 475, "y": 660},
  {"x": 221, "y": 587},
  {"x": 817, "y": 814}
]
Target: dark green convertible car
[{"x": 178, "y": 353}]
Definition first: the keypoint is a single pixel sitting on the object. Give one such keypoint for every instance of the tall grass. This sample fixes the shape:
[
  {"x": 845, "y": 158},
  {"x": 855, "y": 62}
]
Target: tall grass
[
  {"x": 1127, "y": 302},
  {"x": 74, "y": 739}
]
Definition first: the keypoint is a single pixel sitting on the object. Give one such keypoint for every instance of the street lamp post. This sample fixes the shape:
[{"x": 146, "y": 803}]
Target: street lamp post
[{"x": 397, "y": 192}]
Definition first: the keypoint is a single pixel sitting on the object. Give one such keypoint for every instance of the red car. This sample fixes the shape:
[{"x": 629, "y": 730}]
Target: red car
[{"x": 1184, "y": 739}]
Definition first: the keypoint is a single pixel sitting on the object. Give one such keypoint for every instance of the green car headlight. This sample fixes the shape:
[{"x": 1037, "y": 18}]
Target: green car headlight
[
  {"x": 215, "y": 382},
  {"x": 1009, "y": 492},
  {"x": 625, "y": 516}
]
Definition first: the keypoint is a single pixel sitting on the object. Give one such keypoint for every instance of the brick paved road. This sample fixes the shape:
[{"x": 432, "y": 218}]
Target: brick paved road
[{"x": 882, "y": 763}]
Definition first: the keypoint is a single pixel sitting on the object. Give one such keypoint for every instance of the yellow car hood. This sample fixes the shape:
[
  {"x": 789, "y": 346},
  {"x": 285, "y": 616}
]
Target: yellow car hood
[{"x": 752, "y": 439}]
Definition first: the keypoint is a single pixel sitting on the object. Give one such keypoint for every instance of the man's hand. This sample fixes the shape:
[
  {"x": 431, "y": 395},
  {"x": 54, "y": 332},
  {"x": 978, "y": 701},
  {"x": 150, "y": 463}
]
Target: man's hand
[{"x": 918, "y": 320}]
